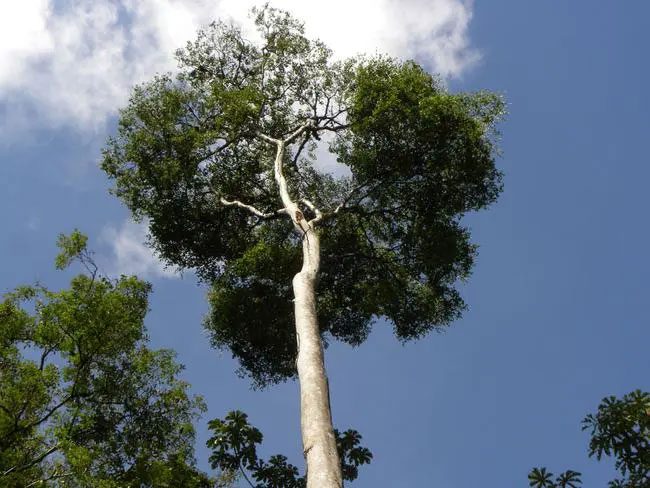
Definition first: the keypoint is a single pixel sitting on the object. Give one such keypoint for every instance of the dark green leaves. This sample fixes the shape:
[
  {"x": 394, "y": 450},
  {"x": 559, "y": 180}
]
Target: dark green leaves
[
  {"x": 408, "y": 132},
  {"x": 234, "y": 442},
  {"x": 351, "y": 453},
  {"x": 541, "y": 478},
  {"x": 420, "y": 159},
  {"x": 251, "y": 310}
]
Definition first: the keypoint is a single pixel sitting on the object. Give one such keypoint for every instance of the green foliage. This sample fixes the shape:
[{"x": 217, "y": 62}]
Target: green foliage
[
  {"x": 392, "y": 239},
  {"x": 234, "y": 449},
  {"x": 71, "y": 247},
  {"x": 252, "y": 309},
  {"x": 620, "y": 428},
  {"x": 421, "y": 159},
  {"x": 83, "y": 400}
]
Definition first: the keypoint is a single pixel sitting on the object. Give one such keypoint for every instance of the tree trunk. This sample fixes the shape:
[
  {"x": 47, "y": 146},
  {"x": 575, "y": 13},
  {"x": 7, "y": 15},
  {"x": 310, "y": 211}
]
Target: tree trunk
[{"x": 319, "y": 442}]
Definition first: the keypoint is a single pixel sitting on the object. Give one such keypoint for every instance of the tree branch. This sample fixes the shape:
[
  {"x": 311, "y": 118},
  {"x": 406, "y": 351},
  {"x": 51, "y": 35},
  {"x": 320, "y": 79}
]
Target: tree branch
[
  {"x": 54, "y": 476},
  {"x": 300, "y": 224},
  {"x": 343, "y": 205},
  {"x": 33, "y": 462},
  {"x": 290, "y": 138},
  {"x": 298, "y": 131},
  {"x": 296, "y": 156},
  {"x": 290, "y": 206},
  {"x": 251, "y": 209},
  {"x": 245, "y": 477},
  {"x": 268, "y": 139}
]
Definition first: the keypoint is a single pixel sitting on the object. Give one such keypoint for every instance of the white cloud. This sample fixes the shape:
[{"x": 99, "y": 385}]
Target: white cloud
[
  {"x": 129, "y": 254},
  {"x": 23, "y": 34},
  {"x": 73, "y": 63},
  {"x": 434, "y": 31}
]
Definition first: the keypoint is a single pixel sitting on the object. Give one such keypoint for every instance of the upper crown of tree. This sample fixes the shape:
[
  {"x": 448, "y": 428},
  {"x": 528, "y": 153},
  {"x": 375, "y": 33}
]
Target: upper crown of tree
[{"x": 195, "y": 152}]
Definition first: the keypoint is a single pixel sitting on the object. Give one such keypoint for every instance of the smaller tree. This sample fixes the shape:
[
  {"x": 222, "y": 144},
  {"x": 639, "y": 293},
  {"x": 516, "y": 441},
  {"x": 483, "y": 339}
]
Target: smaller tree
[
  {"x": 83, "y": 400},
  {"x": 620, "y": 428}
]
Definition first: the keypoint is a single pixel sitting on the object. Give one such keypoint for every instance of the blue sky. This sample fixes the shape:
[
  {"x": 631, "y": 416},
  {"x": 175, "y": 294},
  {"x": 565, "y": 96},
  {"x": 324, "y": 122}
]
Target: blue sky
[{"x": 558, "y": 300}]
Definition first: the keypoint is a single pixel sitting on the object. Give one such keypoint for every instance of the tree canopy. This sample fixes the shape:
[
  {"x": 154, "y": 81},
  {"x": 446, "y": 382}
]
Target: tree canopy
[
  {"x": 194, "y": 154},
  {"x": 83, "y": 400}
]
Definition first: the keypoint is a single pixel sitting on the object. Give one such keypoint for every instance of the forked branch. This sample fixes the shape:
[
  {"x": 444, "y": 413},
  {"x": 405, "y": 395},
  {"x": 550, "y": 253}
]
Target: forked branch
[
  {"x": 290, "y": 205},
  {"x": 290, "y": 138}
]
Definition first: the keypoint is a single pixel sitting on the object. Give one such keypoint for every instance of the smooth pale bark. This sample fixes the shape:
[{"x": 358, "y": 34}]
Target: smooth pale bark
[{"x": 319, "y": 442}]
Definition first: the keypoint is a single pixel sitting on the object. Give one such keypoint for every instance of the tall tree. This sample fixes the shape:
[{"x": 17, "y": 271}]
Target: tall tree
[
  {"x": 220, "y": 158},
  {"x": 83, "y": 400}
]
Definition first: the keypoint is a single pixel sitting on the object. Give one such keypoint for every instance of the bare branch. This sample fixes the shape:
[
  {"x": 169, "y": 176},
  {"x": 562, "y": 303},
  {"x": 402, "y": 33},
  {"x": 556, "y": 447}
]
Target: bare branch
[
  {"x": 44, "y": 355},
  {"x": 251, "y": 209},
  {"x": 304, "y": 142},
  {"x": 330, "y": 122},
  {"x": 334, "y": 128}
]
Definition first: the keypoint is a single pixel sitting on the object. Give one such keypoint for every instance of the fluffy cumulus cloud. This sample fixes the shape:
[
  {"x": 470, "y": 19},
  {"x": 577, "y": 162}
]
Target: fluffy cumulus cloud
[
  {"x": 71, "y": 63},
  {"x": 127, "y": 253}
]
